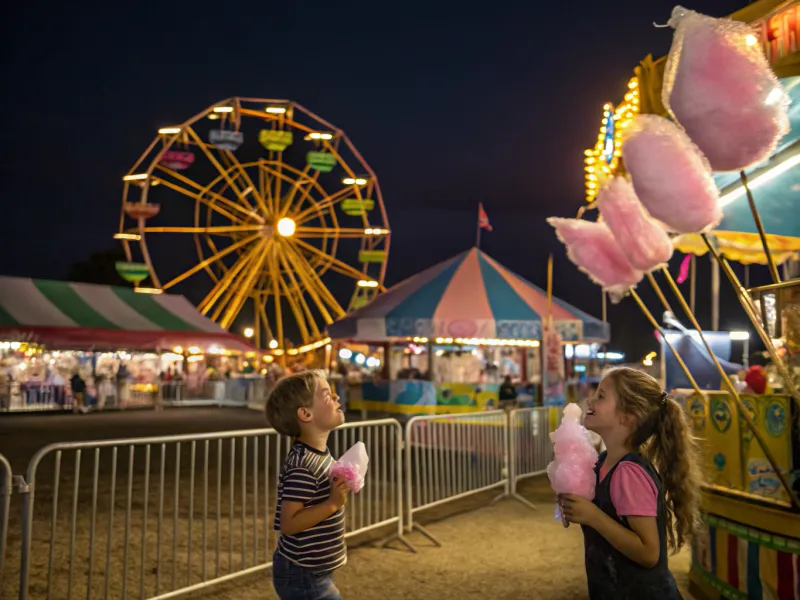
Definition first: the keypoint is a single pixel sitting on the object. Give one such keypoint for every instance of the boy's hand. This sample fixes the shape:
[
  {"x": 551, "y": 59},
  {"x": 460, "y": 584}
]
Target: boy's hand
[{"x": 340, "y": 490}]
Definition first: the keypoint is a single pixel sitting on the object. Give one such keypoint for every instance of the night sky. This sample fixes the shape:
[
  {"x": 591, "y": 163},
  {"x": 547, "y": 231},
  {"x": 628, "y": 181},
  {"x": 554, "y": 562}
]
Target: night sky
[{"x": 451, "y": 103}]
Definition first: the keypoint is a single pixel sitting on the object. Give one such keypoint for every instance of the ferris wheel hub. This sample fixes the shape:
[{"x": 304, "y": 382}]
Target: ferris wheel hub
[{"x": 286, "y": 227}]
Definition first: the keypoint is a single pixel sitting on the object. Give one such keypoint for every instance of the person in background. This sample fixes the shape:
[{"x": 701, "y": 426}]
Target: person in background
[
  {"x": 78, "y": 386},
  {"x": 507, "y": 394}
]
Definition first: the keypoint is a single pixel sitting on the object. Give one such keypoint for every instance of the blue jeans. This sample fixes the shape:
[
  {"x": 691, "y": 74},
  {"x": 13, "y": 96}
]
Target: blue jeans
[{"x": 298, "y": 583}]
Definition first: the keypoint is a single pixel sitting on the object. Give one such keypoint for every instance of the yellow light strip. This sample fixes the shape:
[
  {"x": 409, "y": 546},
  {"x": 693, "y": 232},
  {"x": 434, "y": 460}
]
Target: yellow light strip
[
  {"x": 169, "y": 130},
  {"x": 485, "y": 342},
  {"x": 133, "y": 237},
  {"x": 147, "y": 290},
  {"x": 136, "y": 177}
]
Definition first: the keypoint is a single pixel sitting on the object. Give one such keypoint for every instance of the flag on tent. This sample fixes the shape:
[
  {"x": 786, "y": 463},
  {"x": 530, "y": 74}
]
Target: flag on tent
[{"x": 483, "y": 218}]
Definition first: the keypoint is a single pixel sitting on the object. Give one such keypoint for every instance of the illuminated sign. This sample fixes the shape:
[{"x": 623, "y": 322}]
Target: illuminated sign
[{"x": 780, "y": 33}]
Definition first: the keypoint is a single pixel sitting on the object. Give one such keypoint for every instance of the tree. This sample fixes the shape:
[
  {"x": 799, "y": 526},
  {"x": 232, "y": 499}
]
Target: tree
[{"x": 99, "y": 268}]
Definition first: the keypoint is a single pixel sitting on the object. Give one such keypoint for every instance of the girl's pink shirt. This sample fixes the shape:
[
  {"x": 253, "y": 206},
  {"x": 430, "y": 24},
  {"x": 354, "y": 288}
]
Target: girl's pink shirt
[{"x": 633, "y": 491}]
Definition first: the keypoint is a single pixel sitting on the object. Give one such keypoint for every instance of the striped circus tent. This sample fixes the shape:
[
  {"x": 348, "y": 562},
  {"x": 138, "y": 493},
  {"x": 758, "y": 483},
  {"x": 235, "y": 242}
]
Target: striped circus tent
[
  {"x": 468, "y": 296},
  {"x": 79, "y": 316}
]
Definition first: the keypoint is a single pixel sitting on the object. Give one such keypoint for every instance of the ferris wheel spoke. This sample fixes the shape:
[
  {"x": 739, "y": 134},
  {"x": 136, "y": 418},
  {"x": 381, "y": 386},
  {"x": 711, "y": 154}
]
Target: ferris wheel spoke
[
  {"x": 261, "y": 308},
  {"x": 314, "y": 285},
  {"x": 296, "y": 185},
  {"x": 274, "y": 272},
  {"x": 222, "y": 171},
  {"x": 297, "y": 286},
  {"x": 306, "y": 233},
  {"x": 206, "y": 230},
  {"x": 226, "y": 280},
  {"x": 336, "y": 264},
  {"x": 310, "y": 213},
  {"x": 243, "y": 292},
  {"x": 249, "y": 185},
  {"x": 296, "y": 311},
  {"x": 210, "y": 260},
  {"x": 212, "y": 205}
]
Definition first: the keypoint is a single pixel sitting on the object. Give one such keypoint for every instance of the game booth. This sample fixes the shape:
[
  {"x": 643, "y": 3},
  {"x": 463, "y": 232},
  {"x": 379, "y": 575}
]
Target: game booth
[
  {"x": 126, "y": 347},
  {"x": 749, "y": 545},
  {"x": 448, "y": 337}
]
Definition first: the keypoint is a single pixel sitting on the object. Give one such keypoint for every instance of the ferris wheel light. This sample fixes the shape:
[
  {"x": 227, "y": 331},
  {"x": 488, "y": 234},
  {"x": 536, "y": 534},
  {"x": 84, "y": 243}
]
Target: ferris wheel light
[
  {"x": 249, "y": 332},
  {"x": 223, "y": 109},
  {"x": 273, "y": 344},
  {"x": 276, "y": 110},
  {"x": 367, "y": 283},
  {"x": 373, "y": 231},
  {"x": 133, "y": 237},
  {"x": 169, "y": 130},
  {"x": 213, "y": 117},
  {"x": 286, "y": 227},
  {"x": 148, "y": 290},
  {"x": 135, "y": 177},
  {"x": 316, "y": 135},
  {"x": 354, "y": 181}
]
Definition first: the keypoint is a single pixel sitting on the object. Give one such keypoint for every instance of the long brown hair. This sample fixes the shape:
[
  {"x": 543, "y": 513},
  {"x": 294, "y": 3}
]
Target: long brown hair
[{"x": 664, "y": 437}]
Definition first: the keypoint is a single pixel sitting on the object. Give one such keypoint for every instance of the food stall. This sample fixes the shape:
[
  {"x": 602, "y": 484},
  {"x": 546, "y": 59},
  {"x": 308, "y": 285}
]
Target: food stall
[
  {"x": 450, "y": 335},
  {"x": 125, "y": 346},
  {"x": 749, "y": 543}
]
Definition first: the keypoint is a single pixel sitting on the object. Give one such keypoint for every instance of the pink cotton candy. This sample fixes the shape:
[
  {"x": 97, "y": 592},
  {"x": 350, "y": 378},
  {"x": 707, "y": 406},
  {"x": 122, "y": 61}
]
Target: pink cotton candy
[
  {"x": 670, "y": 176},
  {"x": 719, "y": 86},
  {"x": 591, "y": 246},
  {"x": 352, "y": 467},
  {"x": 572, "y": 471},
  {"x": 645, "y": 243}
]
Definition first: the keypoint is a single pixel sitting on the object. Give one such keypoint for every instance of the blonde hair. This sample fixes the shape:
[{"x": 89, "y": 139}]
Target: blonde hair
[
  {"x": 289, "y": 394},
  {"x": 664, "y": 436}
]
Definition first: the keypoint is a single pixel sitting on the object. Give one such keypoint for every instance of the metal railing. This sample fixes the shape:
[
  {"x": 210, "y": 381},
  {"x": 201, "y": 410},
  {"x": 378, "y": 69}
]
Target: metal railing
[
  {"x": 6, "y": 477},
  {"x": 530, "y": 449},
  {"x": 161, "y": 517},
  {"x": 450, "y": 457}
]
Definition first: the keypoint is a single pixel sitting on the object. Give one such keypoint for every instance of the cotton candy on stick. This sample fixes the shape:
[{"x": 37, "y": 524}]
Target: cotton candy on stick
[
  {"x": 645, "y": 243},
  {"x": 352, "y": 467},
  {"x": 593, "y": 249},
  {"x": 670, "y": 176},
  {"x": 572, "y": 471},
  {"x": 719, "y": 86}
]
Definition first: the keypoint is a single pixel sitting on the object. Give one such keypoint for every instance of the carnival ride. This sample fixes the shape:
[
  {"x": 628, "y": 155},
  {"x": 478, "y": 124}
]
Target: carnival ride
[{"x": 281, "y": 200}]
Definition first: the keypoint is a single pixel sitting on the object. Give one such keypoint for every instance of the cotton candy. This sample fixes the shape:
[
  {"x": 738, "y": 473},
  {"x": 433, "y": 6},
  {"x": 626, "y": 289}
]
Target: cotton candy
[
  {"x": 670, "y": 176},
  {"x": 719, "y": 86},
  {"x": 645, "y": 243},
  {"x": 592, "y": 247},
  {"x": 572, "y": 471},
  {"x": 352, "y": 467}
]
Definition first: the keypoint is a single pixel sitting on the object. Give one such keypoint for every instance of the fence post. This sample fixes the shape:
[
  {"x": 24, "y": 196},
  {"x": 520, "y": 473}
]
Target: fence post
[
  {"x": 513, "y": 451},
  {"x": 5, "y": 506},
  {"x": 26, "y": 489}
]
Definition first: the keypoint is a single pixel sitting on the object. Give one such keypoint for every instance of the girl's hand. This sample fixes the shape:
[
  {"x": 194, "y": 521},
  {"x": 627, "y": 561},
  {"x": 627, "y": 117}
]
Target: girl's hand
[{"x": 577, "y": 509}]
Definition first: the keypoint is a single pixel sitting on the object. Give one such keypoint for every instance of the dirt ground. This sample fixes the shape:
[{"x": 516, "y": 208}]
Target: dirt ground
[{"x": 504, "y": 552}]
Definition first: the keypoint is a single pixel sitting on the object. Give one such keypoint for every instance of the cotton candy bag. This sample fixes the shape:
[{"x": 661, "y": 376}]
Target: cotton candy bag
[
  {"x": 572, "y": 470},
  {"x": 593, "y": 249},
  {"x": 352, "y": 467},
  {"x": 672, "y": 179},
  {"x": 643, "y": 241},
  {"x": 719, "y": 86}
]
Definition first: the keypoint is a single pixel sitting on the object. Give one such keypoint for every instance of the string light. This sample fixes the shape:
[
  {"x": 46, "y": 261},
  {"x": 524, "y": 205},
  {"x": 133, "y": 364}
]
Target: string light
[{"x": 603, "y": 160}]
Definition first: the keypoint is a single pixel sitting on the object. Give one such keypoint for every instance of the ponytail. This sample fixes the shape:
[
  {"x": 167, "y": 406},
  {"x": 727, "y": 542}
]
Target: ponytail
[{"x": 673, "y": 451}]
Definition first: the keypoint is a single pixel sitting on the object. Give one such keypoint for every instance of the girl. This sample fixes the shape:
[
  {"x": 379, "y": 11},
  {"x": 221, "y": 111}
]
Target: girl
[{"x": 648, "y": 489}]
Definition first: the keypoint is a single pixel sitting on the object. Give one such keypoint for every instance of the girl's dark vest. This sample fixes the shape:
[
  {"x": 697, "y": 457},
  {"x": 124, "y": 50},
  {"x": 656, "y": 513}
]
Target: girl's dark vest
[{"x": 612, "y": 575}]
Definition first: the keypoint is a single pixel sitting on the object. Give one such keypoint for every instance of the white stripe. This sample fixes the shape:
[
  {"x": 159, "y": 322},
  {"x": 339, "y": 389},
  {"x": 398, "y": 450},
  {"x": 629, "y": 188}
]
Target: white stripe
[
  {"x": 112, "y": 307},
  {"x": 28, "y": 306},
  {"x": 180, "y": 307}
]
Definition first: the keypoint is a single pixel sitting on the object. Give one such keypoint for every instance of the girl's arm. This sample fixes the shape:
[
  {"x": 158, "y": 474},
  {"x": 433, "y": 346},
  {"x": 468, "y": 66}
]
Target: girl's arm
[{"x": 641, "y": 545}]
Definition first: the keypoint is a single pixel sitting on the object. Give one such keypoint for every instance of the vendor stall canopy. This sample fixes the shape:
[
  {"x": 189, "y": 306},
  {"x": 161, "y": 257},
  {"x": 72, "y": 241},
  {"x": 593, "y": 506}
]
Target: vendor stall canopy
[
  {"x": 78, "y": 316},
  {"x": 469, "y": 296}
]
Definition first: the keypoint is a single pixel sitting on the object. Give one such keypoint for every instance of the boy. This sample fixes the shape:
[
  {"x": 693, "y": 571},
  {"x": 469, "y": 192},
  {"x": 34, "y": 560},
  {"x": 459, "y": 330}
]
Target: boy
[{"x": 310, "y": 513}]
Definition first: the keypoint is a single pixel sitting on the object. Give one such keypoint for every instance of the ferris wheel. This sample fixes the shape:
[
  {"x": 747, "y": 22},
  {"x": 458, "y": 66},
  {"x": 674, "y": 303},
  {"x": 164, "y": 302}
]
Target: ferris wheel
[{"x": 275, "y": 201}]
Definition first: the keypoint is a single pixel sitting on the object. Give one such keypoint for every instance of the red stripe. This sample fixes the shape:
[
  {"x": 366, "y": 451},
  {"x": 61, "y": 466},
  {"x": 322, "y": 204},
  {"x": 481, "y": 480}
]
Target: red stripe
[
  {"x": 89, "y": 338},
  {"x": 733, "y": 561},
  {"x": 785, "y": 576}
]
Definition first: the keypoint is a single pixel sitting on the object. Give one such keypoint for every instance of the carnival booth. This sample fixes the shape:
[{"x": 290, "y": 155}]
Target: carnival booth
[
  {"x": 125, "y": 347},
  {"x": 450, "y": 335},
  {"x": 749, "y": 544}
]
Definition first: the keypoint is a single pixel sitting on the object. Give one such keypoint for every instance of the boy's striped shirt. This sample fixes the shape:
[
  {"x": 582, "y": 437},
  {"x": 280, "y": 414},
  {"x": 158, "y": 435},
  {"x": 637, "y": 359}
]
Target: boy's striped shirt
[{"x": 305, "y": 478}]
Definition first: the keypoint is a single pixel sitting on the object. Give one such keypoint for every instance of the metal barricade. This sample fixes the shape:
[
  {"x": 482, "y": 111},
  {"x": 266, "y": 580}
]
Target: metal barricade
[
  {"x": 449, "y": 457},
  {"x": 161, "y": 517},
  {"x": 530, "y": 448},
  {"x": 5, "y": 507}
]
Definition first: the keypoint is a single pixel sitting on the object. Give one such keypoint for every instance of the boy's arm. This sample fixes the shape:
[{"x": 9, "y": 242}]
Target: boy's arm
[{"x": 299, "y": 486}]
